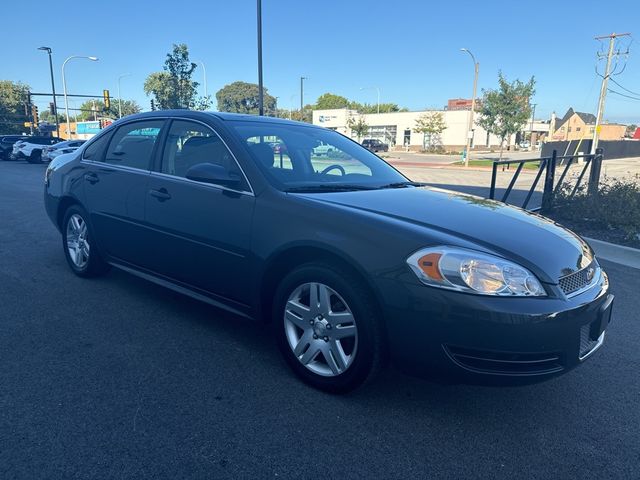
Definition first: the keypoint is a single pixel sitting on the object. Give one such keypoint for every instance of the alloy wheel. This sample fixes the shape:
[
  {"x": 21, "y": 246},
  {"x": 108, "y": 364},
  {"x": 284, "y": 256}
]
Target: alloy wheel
[
  {"x": 77, "y": 241},
  {"x": 320, "y": 329}
]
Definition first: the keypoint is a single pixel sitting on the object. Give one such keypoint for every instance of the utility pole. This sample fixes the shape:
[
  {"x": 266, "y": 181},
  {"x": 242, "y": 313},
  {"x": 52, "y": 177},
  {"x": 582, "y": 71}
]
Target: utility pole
[
  {"x": 605, "y": 82},
  {"x": 260, "y": 88},
  {"x": 302, "y": 79}
]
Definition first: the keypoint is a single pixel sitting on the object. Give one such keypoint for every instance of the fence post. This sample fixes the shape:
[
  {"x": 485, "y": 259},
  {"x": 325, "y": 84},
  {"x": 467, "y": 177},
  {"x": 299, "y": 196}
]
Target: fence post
[
  {"x": 494, "y": 172},
  {"x": 547, "y": 192},
  {"x": 594, "y": 174}
]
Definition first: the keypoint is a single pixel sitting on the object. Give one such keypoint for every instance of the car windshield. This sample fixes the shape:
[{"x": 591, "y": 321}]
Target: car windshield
[{"x": 299, "y": 158}]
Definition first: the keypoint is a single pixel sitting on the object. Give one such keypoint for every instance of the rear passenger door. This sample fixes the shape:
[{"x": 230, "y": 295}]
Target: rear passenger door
[{"x": 115, "y": 186}]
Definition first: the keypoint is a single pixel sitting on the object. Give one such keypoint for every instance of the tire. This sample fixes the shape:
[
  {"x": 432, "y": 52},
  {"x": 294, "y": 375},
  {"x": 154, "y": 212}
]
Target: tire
[
  {"x": 355, "y": 345},
  {"x": 35, "y": 157},
  {"x": 83, "y": 257}
]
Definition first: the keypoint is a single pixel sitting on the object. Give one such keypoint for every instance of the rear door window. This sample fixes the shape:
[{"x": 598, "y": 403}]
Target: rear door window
[
  {"x": 95, "y": 150},
  {"x": 132, "y": 145}
]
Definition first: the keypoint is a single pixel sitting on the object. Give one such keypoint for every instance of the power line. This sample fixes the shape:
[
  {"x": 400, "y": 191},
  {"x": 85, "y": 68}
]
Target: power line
[
  {"x": 625, "y": 89},
  {"x": 622, "y": 94}
]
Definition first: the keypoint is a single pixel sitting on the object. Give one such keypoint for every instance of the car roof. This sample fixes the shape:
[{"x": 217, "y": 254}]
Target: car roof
[
  {"x": 40, "y": 137},
  {"x": 225, "y": 116}
]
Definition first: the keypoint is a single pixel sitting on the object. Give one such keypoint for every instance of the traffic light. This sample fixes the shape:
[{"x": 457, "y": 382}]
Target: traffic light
[
  {"x": 101, "y": 123},
  {"x": 34, "y": 114},
  {"x": 107, "y": 99},
  {"x": 52, "y": 108},
  {"x": 153, "y": 105}
]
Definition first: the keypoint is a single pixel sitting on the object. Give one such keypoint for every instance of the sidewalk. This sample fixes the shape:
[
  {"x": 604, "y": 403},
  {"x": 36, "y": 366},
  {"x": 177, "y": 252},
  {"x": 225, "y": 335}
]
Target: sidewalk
[{"x": 477, "y": 180}]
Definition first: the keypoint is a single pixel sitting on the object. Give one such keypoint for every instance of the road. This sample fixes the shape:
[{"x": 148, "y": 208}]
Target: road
[
  {"x": 436, "y": 159},
  {"x": 119, "y": 378}
]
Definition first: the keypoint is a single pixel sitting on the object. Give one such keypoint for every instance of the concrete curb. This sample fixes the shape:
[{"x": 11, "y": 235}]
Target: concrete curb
[{"x": 627, "y": 256}]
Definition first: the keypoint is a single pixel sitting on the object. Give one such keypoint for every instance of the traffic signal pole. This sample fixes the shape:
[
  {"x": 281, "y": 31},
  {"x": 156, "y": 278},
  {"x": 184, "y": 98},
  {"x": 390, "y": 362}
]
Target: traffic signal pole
[{"x": 53, "y": 89}]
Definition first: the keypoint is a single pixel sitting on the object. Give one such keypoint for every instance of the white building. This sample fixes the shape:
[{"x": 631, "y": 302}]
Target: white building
[{"x": 398, "y": 128}]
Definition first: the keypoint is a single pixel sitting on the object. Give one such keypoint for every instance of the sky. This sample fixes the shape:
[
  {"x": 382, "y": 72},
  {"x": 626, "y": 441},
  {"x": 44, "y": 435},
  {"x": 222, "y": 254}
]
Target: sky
[{"x": 410, "y": 50}]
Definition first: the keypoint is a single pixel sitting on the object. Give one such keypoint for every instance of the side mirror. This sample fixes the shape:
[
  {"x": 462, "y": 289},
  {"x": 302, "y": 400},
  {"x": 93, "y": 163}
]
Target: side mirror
[{"x": 212, "y": 173}]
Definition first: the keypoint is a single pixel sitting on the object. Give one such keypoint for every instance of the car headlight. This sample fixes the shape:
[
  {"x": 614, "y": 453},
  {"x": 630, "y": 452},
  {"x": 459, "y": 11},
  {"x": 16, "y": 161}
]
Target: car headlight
[
  {"x": 473, "y": 272},
  {"x": 47, "y": 174}
]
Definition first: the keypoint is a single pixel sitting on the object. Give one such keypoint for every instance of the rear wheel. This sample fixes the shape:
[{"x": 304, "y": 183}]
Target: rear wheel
[
  {"x": 35, "y": 157},
  {"x": 328, "y": 328},
  {"x": 80, "y": 252}
]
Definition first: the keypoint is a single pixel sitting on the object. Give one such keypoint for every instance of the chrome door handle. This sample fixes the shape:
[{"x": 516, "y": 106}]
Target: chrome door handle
[
  {"x": 91, "y": 178},
  {"x": 161, "y": 194}
]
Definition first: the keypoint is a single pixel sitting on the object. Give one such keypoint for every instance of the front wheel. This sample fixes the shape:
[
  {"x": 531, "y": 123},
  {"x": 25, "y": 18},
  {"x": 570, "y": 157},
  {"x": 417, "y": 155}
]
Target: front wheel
[
  {"x": 328, "y": 328},
  {"x": 79, "y": 248}
]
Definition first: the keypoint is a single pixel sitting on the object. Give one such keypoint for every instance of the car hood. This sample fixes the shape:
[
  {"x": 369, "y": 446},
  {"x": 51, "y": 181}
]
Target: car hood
[{"x": 540, "y": 244}]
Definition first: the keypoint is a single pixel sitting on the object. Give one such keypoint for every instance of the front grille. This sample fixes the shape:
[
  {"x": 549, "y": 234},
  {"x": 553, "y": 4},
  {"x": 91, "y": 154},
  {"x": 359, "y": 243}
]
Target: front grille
[
  {"x": 579, "y": 280},
  {"x": 506, "y": 363}
]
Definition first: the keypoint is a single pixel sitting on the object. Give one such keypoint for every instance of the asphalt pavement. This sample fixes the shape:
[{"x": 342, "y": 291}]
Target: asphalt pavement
[{"x": 119, "y": 378}]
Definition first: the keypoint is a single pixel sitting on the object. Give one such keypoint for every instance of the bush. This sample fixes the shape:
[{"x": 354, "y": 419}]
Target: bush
[
  {"x": 439, "y": 149},
  {"x": 616, "y": 205}
]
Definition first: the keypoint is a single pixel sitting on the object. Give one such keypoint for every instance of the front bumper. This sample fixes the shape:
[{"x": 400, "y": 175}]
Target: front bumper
[{"x": 455, "y": 337}]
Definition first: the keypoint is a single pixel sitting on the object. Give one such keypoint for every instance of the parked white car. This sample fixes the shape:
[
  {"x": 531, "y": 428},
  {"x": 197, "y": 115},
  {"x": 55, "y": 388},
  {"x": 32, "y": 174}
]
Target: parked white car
[
  {"x": 52, "y": 151},
  {"x": 31, "y": 148}
]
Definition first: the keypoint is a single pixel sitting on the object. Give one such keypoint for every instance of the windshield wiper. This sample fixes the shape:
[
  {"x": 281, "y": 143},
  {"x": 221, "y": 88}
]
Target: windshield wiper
[
  {"x": 403, "y": 185},
  {"x": 329, "y": 187}
]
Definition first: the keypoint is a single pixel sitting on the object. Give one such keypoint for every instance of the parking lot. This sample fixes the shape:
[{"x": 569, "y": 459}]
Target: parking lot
[{"x": 119, "y": 378}]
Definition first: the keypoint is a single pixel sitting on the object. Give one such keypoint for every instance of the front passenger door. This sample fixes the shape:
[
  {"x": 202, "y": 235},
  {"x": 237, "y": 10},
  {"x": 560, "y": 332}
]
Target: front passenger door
[{"x": 201, "y": 231}]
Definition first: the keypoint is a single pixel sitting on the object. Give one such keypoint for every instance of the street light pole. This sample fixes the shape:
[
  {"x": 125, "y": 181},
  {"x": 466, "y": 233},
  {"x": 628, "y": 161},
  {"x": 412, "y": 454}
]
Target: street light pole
[
  {"x": 119, "y": 98},
  {"x": 53, "y": 90},
  {"x": 291, "y": 99},
  {"x": 64, "y": 87},
  {"x": 476, "y": 68},
  {"x": 377, "y": 90},
  {"x": 204, "y": 79},
  {"x": 302, "y": 79},
  {"x": 260, "y": 87},
  {"x": 533, "y": 116}
]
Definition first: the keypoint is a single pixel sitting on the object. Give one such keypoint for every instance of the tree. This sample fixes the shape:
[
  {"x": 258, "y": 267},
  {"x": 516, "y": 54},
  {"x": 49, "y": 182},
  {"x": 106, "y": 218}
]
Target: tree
[
  {"x": 330, "y": 101},
  {"x": 13, "y": 98},
  {"x": 373, "y": 108},
  {"x": 92, "y": 109},
  {"x": 631, "y": 130},
  {"x": 46, "y": 116},
  {"x": 359, "y": 127},
  {"x": 432, "y": 125},
  {"x": 129, "y": 107},
  {"x": 505, "y": 111},
  {"x": 242, "y": 97},
  {"x": 173, "y": 87}
]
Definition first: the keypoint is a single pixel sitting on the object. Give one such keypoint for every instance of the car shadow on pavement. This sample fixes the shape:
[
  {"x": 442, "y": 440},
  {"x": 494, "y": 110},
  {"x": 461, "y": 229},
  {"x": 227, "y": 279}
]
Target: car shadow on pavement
[{"x": 256, "y": 339}]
